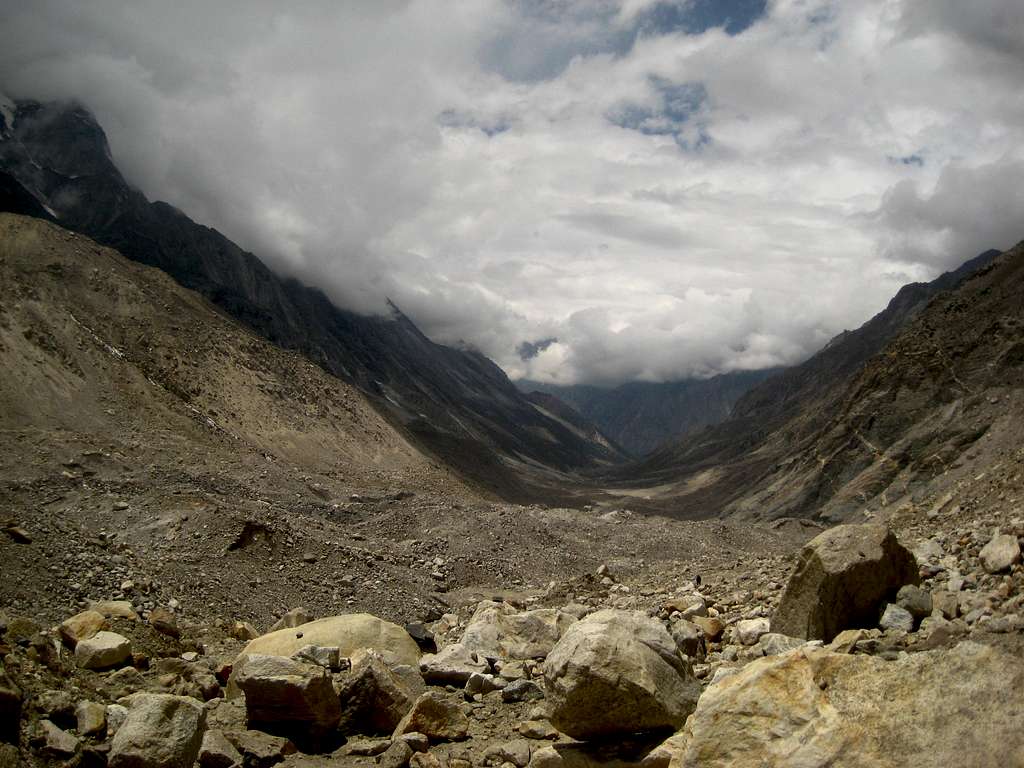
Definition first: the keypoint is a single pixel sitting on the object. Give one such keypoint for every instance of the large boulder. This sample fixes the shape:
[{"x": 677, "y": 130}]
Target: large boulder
[
  {"x": 499, "y": 631},
  {"x": 81, "y": 626},
  {"x": 617, "y": 672},
  {"x": 435, "y": 717},
  {"x": 289, "y": 698},
  {"x": 842, "y": 578},
  {"x": 814, "y": 707},
  {"x": 454, "y": 664},
  {"x": 350, "y": 633},
  {"x": 161, "y": 731},
  {"x": 103, "y": 650},
  {"x": 374, "y": 698}
]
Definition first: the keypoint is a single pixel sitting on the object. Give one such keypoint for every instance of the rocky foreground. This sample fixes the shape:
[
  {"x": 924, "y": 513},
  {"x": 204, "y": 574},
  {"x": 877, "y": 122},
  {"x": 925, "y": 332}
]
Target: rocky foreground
[{"x": 879, "y": 650}]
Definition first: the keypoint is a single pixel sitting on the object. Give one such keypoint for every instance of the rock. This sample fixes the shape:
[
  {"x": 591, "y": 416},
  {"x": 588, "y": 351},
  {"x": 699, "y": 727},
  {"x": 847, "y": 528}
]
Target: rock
[
  {"x": 546, "y": 757},
  {"x": 1000, "y": 553},
  {"x": 288, "y": 698},
  {"x": 424, "y": 760},
  {"x": 538, "y": 729},
  {"x": 710, "y": 626},
  {"x": 217, "y": 752},
  {"x": 260, "y": 750},
  {"x": 749, "y": 631},
  {"x": 395, "y": 756},
  {"x": 452, "y": 664},
  {"x": 617, "y": 672},
  {"x": 116, "y": 715},
  {"x": 10, "y": 707},
  {"x": 373, "y": 698},
  {"x": 367, "y": 747},
  {"x": 516, "y": 752},
  {"x": 90, "y": 718},
  {"x": 10, "y": 757},
  {"x": 244, "y": 631},
  {"x": 161, "y": 731},
  {"x": 946, "y": 603},
  {"x": 480, "y": 683},
  {"x": 103, "y": 651},
  {"x": 498, "y": 631},
  {"x": 895, "y": 617},
  {"x": 296, "y": 617},
  {"x": 772, "y": 644},
  {"x": 521, "y": 690},
  {"x": 349, "y": 633},
  {"x": 81, "y": 626},
  {"x": 915, "y": 600},
  {"x": 18, "y": 534},
  {"x": 433, "y": 715},
  {"x": 689, "y": 639},
  {"x": 814, "y": 707},
  {"x": 841, "y": 578},
  {"x": 114, "y": 609},
  {"x": 55, "y": 742},
  {"x": 664, "y": 753},
  {"x": 164, "y": 622},
  {"x": 418, "y": 741},
  {"x": 424, "y": 637}
]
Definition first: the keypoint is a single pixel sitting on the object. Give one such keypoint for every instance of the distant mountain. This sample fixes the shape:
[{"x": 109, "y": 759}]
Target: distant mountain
[
  {"x": 454, "y": 404},
  {"x": 736, "y": 466},
  {"x": 641, "y": 416}
]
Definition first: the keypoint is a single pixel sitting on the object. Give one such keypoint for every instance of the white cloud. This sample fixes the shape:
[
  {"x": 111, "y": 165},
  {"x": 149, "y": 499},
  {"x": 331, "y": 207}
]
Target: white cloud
[{"x": 663, "y": 204}]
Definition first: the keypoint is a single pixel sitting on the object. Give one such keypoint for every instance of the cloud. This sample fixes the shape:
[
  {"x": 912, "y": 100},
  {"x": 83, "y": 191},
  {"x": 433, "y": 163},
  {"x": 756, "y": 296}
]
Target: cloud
[{"x": 669, "y": 188}]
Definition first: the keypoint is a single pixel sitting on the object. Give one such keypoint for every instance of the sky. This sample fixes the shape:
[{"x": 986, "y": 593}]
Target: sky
[{"x": 587, "y": 191}]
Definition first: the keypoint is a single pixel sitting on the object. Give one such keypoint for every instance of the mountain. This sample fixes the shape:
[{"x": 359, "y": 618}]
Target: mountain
[
  {"x": 457, "y": 405},
  {"x": 641, "y": 416},
  {"x": 114, "y": 359},
  {"x": 736, "y": 467}
]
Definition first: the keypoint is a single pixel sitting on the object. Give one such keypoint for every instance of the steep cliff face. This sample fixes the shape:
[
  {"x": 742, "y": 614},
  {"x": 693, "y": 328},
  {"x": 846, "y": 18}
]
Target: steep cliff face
[
  {"x": 783, "y": 452},
  {"x": 455, "y": 404}
]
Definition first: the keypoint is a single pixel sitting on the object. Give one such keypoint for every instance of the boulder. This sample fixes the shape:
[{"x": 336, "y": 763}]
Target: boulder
[
  {"x": 161, "y": 731},
  {"x": 454, "y": 664},
  {"x": 689, "y": 639},
  {"x": 164, "y": 622},
  {"x": 349, "y": 633},
  {"x": 373, "y": 698},
  {"x": 915, "y": 600},
  {"x": 436, "y": 717},
  {"x": 244, "y": 631},
  {"x": 103, "y": 651},
  {"x": 841, "y": 579},
  {"x": 814, "y": 707},
  {"x": 710, "y": 626},
  {"x": 749, "y": 631},
  {"x": 289, "y": 698},
  {"x": 90, "y": 718},
  {"x": 260, "y": 750},
  {"x": 895, "y": 617},
  {"x": 498, "y": 631},
  {"x": 521, "y": 690},
  {"x": 772, "y": 644},
  {"x": 296, "y": 617},
  {"x": 617, "y": 672},
  {"x": 81, "y": 626},
  {"x": 1002, "y": 552},
  {"x": 10, "y": 707},
  {"x": 217, "y": 752},
  {"x": 114, "y": 609},
  {"x": 55, "y": 742}
]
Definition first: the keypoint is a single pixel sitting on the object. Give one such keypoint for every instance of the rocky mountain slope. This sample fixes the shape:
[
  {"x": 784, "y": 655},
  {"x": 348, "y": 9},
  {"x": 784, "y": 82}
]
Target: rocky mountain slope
[
  {"x": 747, "y": 465},
  {"x": 641, "y": 416},
  {"x": 455, "y": 404}
]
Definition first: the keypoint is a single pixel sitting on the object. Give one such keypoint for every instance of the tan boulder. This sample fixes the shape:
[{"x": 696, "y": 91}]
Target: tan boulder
[
  {"x": 349, "y": 633},
  {"x": 114, "y": 609},
  {"x": 842, "y": 578},
  {"x": 499, "y": 631},
  {"x": 81, "y": 626},
  {"x": 436, "y": 717},
  {"x": 813, "y": 707},
  {"x": 617, "y": 672}
]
